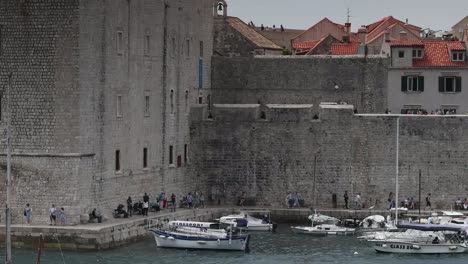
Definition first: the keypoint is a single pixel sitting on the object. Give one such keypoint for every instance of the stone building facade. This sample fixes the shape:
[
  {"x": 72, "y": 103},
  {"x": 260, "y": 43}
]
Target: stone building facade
[{"x": 100, "y": 98}]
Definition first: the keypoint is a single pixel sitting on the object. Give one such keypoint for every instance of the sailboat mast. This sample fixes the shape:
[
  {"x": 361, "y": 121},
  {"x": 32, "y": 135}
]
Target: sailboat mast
[
  {"x": 8, "y": 183},
  {"x": 396, "y": 174}
]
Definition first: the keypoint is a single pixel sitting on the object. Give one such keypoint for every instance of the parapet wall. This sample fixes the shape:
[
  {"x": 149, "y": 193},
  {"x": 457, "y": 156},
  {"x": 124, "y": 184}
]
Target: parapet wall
[
  {"x": 357, "y": 80},
  {"x": 321, "y": 158}
]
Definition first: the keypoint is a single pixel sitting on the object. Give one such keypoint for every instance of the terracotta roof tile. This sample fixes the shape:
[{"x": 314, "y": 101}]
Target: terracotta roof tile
[
  {"x": 252, "y": 35},
  {"x": 306, "y": 45},
  {"x": 436, "y": 54},
  {"x": 344, "y": 49},
  {"x": 406, "y": 43},
  {"x": 455, "y": 45}
]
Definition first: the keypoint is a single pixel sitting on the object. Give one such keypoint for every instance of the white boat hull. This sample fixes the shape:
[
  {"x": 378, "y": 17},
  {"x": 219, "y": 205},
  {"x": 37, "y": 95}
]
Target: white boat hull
[
  {"x": 316, "y": 232},
  {"x": 417, "y": 248},
  {"x": 178, "y": 240}
]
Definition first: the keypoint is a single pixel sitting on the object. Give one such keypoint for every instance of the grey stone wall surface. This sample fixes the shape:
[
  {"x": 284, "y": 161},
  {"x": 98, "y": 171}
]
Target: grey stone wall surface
[
  {"x": 267, "y": 158},
  {"x": 81, "y": 72},
  {"x": 361, "y": 81}
]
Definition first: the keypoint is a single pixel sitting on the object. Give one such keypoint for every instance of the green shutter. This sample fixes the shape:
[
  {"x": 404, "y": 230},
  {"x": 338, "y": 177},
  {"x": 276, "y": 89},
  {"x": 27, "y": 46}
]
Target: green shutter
[
  {"x": 458, "y": 84},
  {"x": 404, "y": 83},
  {"x": 421, "y": 83},
  {"x": 441, "y": 84}
]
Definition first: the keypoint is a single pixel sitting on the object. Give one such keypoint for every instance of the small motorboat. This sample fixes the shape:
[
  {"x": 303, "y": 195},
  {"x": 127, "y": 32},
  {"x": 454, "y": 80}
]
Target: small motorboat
[
  {"x": 253, "y": 223},
  {"x": 454, "y": 240},
  {"x": 323, "y": 225}
]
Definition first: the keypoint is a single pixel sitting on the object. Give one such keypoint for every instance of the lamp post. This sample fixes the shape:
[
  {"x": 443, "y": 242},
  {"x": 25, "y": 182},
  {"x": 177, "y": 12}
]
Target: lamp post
[{"x": 8, "y": 182}]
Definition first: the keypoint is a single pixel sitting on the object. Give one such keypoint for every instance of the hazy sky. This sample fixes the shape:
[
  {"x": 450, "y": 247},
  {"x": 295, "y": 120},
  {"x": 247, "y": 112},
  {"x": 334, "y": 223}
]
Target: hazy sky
[{"x": 301, "y": 14}]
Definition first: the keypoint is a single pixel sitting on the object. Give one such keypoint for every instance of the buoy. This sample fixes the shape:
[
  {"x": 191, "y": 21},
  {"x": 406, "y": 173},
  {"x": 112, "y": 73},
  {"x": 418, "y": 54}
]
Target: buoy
[{"x": 355, "y": 253}]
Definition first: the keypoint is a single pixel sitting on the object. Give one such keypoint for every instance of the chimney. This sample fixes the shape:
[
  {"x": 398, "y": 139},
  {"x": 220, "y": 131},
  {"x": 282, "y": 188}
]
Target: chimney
[
  {"x": 362, "y": 33},
  {"x": 347, "y": 27},
  {"x": 403, "y": 35}
]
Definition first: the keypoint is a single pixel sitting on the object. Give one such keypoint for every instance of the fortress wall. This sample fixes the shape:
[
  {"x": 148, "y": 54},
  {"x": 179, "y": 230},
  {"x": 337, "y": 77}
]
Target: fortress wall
[
  {"x": 361, "y": 81},
  {"x": 268, "y": 158}
]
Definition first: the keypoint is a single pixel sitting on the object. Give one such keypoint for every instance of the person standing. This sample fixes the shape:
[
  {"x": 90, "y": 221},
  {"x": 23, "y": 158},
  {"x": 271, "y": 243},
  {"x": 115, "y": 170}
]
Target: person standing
[
  {"x": 130, "y": 206},
  {"x": 173, "y": 202},
  {"x": 28, "y": 214},
  {"x": 428, "y": 202},
  {"x": 164, "y": 201},
  {"x": 202, "y": 200},
  {"x": 62, "y": 216},
  {"x": 53, "y": 215},
  {"x": 357, "y": 201},
  {"x": 190, "y": 200},
  {"x": 145, "y": 208},
  {"x": 346, "y": 199}
]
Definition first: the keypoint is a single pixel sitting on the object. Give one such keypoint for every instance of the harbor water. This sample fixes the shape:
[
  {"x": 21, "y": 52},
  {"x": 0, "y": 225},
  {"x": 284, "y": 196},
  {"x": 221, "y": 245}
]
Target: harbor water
[{"x": 280, "y": 247}]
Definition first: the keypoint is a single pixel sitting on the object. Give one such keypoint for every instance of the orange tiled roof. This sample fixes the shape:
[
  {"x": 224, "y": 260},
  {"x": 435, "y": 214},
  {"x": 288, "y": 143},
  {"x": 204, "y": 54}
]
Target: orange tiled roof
[
  {"x": 344, "y": 49},
  {"x": 377, "y": 29},
  {"x": 406, "y": 43},
  {"x": 251, "y": 35},
  {"x": 436, "y": 54},
  {"x": 307, "y": 45},
  {"x": 455, "y": 45}
]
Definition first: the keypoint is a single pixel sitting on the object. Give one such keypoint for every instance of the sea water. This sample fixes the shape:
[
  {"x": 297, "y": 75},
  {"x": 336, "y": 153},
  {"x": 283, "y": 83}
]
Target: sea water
[{"x": 268, "y": 248}]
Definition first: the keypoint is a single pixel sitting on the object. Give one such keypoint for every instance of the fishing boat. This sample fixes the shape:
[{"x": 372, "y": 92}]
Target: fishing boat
[
  {"x": 327, "y": 226},
  {"x": 454, "y": 241},
  {"x": 253, "y": 223},
  {"x": 174, "y": 239},
  {"x": 201, "y": 235}
]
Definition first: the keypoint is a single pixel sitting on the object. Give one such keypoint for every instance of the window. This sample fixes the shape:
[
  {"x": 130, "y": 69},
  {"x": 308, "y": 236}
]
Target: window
[
  {"x": 412, "y": 83},
  {"x": 179, "y": 161},
  {"x": 450, "y": 84},
  {"x": 418, "y": 53},
  {"x": 171, "y": 155},
  {"x": 147, "y": 45},
  {"x": 147, "y": 105},
  {"x": 119, "y": 42},
  {"x": 200, "y": 99},
  {"x": 187, "y": 52},
  {"x": 119, "y": 106},
  {"x": 401, "y": 54},
  {"x": 186, "y": 101},
  {"x": 145, "y": 157},
  {"x": 458, "y": 56},
  {"x": 201, "y": 49},
  {"x": 173, "y": 47},
  {"x": 117, "y": 160},
  {"x": 172, "y": 101},
  {"x": 185, "y": 153}
]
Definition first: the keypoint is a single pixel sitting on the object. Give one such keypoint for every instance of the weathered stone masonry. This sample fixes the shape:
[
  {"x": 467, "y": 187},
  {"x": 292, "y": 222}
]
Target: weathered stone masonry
[{"x": 266, "y": 158}]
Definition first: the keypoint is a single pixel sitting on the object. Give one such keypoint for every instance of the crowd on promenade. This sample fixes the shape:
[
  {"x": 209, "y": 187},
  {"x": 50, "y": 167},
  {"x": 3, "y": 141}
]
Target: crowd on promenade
[{"x": 424, "y": 112}]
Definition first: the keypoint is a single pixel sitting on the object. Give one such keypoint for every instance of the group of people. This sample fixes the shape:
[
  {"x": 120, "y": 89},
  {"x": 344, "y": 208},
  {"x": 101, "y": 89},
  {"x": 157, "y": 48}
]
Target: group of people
[
  {"x": 293, "y": 200},
  {"x": 195, "y": 200},
  {"x": 357, "y": 201},
  {"x": 161, "y": 202},
  {"x": 424, "y": 112},
  {"x": 461, "y": 205},
  {"x": 54, "y": 215}
]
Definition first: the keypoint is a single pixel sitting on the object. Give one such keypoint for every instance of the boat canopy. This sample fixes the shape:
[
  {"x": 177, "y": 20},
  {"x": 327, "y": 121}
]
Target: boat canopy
[{"x": 432, "y": 227}]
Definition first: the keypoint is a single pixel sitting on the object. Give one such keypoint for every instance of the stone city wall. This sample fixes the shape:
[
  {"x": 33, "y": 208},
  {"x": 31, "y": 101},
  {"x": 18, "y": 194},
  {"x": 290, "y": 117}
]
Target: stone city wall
[
  {"x": 357, "y": 80},
  {"x": 287, "y": 150}
]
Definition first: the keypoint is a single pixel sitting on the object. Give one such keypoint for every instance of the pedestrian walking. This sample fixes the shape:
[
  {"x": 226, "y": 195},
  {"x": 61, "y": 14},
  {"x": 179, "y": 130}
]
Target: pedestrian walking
[
  {"x": 428, "y": 201},
  {"x": 173, "y": 202},
  {"x": 190, "y": 200},
  {"x": 130, "y": 206},
  {"x": 28, "y": 214},
  {"x": 53, "y": 215},
  {"x": 346, "y": 199},
  {"x": 202, "y": 200}
]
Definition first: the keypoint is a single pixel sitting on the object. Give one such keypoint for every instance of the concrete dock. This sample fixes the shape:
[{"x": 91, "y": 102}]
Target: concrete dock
[{"x": 117, "y": 232}]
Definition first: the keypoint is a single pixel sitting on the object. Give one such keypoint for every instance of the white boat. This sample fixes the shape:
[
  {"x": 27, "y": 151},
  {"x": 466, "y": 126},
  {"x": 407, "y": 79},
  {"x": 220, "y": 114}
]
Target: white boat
[
  {"x": 253, "y": 224},
  {"x": 373, "y": 222},
  {"x": 323, "y": 230},
  {"x": 174, "y": 239},
  {"x": 327, "y": 225},
  {"x": 454, "y": 241}
]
